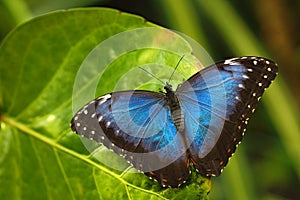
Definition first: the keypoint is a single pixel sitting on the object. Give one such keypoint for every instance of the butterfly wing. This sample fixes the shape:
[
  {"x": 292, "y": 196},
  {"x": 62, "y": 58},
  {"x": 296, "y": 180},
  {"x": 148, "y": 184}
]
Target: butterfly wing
[
  {"x": 136, "y": 125},
  {"x": 217, "y": 103}
]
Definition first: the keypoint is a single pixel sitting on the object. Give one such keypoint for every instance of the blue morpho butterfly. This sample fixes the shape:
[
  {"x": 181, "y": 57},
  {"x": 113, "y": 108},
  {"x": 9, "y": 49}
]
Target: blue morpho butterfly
[{"x": 202, "y": 122}]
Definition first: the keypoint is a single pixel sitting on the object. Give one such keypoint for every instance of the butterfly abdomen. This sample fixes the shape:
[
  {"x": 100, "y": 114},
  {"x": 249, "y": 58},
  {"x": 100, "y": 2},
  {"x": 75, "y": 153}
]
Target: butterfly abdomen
[{"x": 178, "y": 119}]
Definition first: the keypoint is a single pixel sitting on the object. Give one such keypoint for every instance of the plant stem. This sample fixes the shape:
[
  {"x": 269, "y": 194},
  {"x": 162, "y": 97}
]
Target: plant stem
[{"x": 18, "y": 10}]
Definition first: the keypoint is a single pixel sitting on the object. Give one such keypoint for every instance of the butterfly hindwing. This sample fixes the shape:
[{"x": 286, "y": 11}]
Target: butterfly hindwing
[{"x": 219, "y": 101}]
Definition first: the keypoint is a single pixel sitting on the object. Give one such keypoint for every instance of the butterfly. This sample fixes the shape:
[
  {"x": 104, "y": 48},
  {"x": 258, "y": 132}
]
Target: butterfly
[{"x": 200, "y": 123}]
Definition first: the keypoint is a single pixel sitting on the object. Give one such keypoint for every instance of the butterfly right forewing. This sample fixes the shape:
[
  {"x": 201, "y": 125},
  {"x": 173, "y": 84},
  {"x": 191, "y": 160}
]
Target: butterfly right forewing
[{"x": 226, "y": 101}]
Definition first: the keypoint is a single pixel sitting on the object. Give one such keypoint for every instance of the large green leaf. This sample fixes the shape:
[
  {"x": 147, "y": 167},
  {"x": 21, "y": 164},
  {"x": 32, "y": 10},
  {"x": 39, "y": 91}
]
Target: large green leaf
[{"x": 40, "y": 64}]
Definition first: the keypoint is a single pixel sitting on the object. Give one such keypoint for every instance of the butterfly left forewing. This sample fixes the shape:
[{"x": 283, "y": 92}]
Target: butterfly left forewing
[
  {"x": 136, "y": 125},
  {"x": 217, "y": 102}
]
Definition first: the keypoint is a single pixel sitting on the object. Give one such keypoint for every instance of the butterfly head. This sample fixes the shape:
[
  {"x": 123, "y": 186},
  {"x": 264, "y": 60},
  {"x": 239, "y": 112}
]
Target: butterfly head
[{"x": 168, "y": 87}]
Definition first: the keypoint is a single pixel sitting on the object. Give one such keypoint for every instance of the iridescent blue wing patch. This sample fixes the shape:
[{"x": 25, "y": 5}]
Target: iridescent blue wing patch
[
  {"x": 136, "y": 125},
  {"x": 217, "y": 103}
]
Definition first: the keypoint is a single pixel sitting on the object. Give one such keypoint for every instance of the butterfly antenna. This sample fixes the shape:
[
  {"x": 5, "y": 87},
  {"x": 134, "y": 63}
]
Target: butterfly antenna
[
  {"x": 152, "y": 75},
  {"x": 175, "y": 68}
]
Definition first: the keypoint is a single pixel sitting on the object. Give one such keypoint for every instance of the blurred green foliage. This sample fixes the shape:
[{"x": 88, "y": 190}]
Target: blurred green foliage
[{"x": 267, "y": 164}]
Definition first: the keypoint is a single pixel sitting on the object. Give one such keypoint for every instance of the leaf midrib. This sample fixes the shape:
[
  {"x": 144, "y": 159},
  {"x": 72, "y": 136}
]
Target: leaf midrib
[{"x": 13, "y": 123}]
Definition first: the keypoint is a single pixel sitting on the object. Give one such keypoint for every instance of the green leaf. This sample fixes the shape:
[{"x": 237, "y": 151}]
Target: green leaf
[{"x": 48, "y": 66}]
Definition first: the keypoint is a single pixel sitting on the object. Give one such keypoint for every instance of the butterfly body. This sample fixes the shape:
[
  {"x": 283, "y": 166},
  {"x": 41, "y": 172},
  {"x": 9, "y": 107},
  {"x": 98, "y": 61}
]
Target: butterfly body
[
  {"x": 201, "y": 122},
  {"x": 176, "y": 112}
]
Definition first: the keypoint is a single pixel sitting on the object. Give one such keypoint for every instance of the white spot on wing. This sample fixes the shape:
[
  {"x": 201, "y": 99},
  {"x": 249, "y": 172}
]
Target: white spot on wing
[
  {"x": 245, "y": 76},
  {"x": 104, "y": 98},
  {"x": 107, "y": 96},
  {"x": 231, "y": 62},
  {"x": 102, "y": 101}
]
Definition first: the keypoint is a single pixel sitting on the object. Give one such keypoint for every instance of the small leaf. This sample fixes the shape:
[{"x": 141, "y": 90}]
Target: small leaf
[{"x": 39, "y": 62}]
